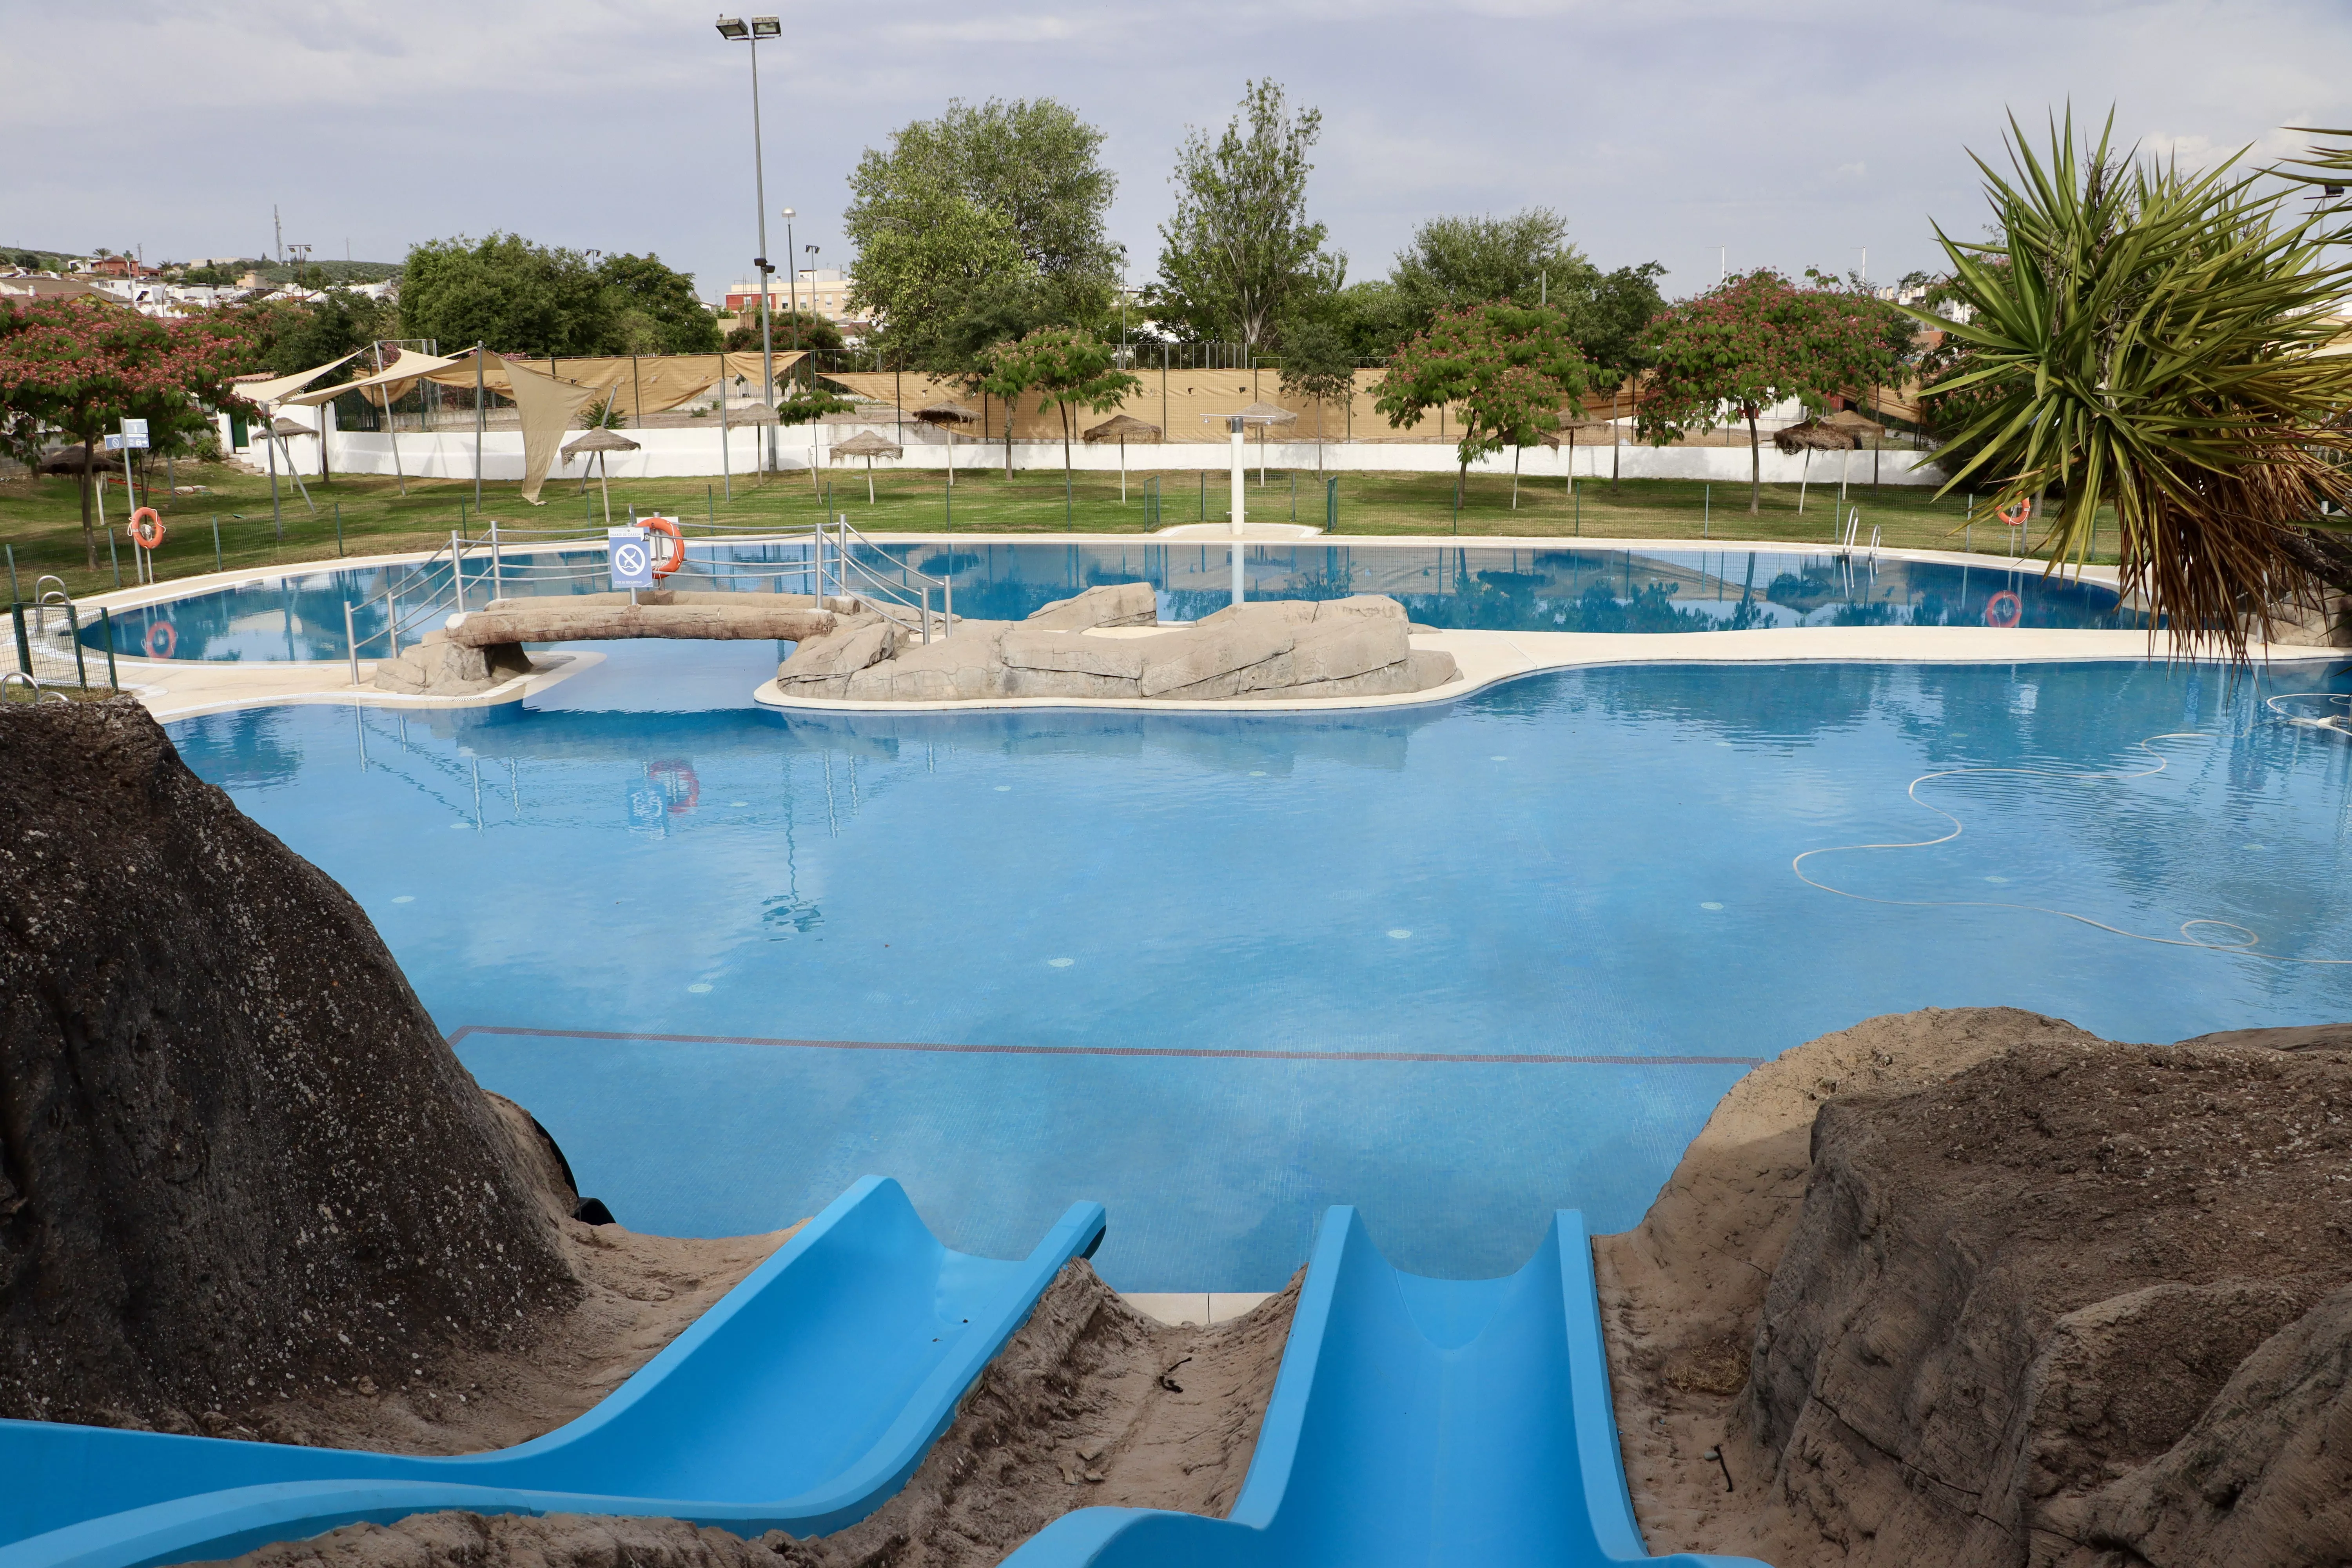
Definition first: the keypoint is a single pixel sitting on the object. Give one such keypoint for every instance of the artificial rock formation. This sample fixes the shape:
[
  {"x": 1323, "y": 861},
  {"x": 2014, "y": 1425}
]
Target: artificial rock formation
[
  {"x": 2083, "y": 1304},
  {"x": 437, "y": 666},
  {"x": 236, "y": 1159},
  {"x": 1106, "y": 643}
]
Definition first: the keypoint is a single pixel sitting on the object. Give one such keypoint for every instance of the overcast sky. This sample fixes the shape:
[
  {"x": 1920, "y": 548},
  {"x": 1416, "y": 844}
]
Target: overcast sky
[{"x": 1792, "y": 134}]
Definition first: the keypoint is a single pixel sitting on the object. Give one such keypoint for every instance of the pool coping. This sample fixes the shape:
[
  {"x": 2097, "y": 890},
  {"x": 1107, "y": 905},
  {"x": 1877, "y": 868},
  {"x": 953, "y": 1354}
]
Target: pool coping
[{"x": 176, "y": 689}]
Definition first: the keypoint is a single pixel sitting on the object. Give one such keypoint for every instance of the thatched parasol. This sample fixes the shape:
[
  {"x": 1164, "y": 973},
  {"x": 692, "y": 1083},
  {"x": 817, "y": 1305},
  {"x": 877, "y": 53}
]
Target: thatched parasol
[
  {"x": 601, "y": 440},
  {"x": 865, "y": 444},
  {"x": 1123, "y": 429},
  {"x": 947, "y": 414},
  {"x": 1808, "y": 437},
  {"x": 756, "y": 414},
  {"x": 1849, "y": 419}
]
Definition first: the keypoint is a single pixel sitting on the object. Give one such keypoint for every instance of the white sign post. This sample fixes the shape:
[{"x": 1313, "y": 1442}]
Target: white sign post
[{"x": 632, "y": 559}]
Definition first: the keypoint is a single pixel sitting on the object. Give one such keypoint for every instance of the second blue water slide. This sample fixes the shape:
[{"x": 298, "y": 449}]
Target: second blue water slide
[
  {"x": 1416, "y": 1424},
  {"x": 801, "y": 1402}
]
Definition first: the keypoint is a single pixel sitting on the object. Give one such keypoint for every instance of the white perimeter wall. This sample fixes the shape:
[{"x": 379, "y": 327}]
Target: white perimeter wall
[{"x": 695, "y": 453}]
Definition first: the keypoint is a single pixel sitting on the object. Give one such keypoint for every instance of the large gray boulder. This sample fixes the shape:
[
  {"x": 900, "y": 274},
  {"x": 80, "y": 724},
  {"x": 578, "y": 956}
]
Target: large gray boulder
[
  {"x": 822, "y": 667},
  {"x": 1108, "y": 604},
  {"x": 963, "y": 665},
  {"x": 1244, "y": 654},
  {"x": 436, "y": 667}
]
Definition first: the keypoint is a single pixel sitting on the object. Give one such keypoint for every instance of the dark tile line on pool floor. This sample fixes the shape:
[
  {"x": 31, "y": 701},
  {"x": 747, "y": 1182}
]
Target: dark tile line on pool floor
[{"x": 1506, "y": 1058}]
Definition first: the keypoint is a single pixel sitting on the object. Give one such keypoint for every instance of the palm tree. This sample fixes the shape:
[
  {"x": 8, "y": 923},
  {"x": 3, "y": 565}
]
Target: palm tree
[{"x": 2154, "y": 342}]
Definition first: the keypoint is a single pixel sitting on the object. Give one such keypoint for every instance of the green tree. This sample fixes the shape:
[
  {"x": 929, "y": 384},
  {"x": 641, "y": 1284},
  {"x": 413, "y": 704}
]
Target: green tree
[
  {"x": 786, "y": 327},
  {"x": 505, "y": 292},
  {"x": 288, "y": 335},
  {"x": 1457, "y": 261},
  {"x": 651, "y": 310},
  {"x": 1239, "y": 249},
  {"x": 1757, "y": 339},
  {"x": 1006, "y": 372},
  {"x": 1071, "y": 368},
  {"x": 1318, "y": 366},
  {"x": 2161, "y": 344},
  {"x": 1504, "y": 369},
  {"x": 982, "y": 196},
  {"x": 1609, "y": 318},
  {"x": 81, "y": 366}
]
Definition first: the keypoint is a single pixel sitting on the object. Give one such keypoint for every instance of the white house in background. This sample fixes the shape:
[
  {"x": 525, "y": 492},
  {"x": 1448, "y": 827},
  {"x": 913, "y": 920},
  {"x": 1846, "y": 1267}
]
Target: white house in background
[{"x": 820, "y": 290}]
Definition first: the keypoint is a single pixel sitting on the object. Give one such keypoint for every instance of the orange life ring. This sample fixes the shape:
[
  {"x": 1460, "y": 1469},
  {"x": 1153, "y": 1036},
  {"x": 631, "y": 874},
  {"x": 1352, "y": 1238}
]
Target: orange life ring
[
  {"x": 165, "y": 634},
  {"x": 150, "y": 534},
  {"x": 677, "y": 556},
  {"x": 2004, "y": 609},
  {"x": 2017, "y": 513}
]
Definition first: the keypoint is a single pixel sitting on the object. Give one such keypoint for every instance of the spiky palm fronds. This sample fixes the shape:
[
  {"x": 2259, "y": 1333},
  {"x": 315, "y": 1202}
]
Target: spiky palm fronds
[{"x": 2156, "y": 341}]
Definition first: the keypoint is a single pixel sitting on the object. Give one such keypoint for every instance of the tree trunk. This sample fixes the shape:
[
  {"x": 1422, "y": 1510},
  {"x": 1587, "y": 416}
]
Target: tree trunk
[
  {"x": 89, "y": 537},
  {"x": 1616, "y": 442},
  {"x": 1515, "y": 477},
  {"x": 1755, "y": 468}
]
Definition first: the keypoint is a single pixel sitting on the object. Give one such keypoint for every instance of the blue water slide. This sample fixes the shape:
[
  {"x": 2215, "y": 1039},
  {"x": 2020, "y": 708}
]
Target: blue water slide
[
  {"x": 800, "y": 1402},
  {"x": 1415, "y": 1422}
]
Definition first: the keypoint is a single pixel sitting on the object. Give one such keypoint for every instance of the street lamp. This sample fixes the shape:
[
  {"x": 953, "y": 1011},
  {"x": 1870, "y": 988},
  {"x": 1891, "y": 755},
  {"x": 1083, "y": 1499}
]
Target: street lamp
[
  {"x": 733, "y": 29},
  {"x": 810, "y": 250}
]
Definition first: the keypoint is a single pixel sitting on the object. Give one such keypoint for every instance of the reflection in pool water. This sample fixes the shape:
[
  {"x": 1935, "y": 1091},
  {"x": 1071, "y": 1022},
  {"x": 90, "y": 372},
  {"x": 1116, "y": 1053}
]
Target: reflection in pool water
[
  {"x": 1479, "y": 960},
  {"x": 299, "y": 615}
]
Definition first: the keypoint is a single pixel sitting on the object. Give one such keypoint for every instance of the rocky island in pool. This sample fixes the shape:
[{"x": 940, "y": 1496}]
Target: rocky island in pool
[{"x": 1109, "y": 642}]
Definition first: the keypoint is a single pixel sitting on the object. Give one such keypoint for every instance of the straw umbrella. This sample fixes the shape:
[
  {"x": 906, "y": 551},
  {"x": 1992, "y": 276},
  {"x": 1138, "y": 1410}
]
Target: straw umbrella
[
  {"x": 868, "y": 446},
  {"x": 1809, "y": 437},
  {"x": 1119, "y": 427},
  {"x": 1866, "y": 433},
  {"x": 601, "y": 440},
  {"x": 1262, "y": 415},
  {"x": 947, "y": 415}
]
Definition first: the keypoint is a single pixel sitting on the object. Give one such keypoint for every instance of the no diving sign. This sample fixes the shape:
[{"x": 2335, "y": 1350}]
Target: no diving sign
[{"x": 632, "y": 557}]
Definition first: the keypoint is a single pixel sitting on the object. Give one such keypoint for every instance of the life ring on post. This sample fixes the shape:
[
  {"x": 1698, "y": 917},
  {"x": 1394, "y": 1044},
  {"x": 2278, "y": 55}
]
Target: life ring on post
[
  {"x": 677, "y": 556},
  {"x": 163, "y": 638},
  {"x": 2017, "y": 514},
  {"x": 146, "y": 528},
  {"x": 2004, "y": 609}
]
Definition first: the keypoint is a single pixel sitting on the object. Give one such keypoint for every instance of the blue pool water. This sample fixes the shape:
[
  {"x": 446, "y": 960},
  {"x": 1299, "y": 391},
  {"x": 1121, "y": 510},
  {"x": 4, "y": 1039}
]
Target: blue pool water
[
  {"x": 299, "y": 615},
  {"x": 1458, "y": 965}
]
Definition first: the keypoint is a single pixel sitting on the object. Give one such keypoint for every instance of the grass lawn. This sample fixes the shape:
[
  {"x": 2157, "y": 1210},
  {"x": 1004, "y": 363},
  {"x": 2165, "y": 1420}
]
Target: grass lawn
[{"x": 40, "y": 519}]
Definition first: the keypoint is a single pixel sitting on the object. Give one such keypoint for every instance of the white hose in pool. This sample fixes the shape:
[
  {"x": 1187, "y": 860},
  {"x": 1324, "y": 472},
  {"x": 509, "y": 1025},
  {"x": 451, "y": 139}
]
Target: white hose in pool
[{"x": 2185, "y": 938}]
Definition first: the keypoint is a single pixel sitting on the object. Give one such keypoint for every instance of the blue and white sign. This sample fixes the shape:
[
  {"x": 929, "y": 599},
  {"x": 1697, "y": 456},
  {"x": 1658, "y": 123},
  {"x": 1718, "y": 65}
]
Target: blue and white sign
[{"x": 633, "y": 558}]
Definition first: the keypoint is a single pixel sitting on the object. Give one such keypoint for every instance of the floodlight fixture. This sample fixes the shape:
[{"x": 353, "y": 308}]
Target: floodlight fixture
[
  {"x": 767, "y": 27},
  {"x": 733, "y": 27}
]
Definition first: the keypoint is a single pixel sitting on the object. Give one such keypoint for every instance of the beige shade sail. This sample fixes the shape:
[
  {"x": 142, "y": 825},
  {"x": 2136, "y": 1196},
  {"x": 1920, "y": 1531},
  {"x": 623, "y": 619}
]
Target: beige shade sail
[
  {"x": 269, "y": 394},
  {"x": 383, "y": 388},
  {"x": 548, "y": 407}
]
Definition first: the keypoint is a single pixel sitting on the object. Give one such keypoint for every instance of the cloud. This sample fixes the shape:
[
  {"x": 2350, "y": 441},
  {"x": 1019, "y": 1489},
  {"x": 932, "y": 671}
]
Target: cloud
[{"x": 1661, "y": 130}]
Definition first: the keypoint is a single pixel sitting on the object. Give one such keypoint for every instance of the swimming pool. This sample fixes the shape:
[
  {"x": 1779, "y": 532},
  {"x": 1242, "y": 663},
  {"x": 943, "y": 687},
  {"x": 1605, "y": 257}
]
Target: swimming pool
[
  {"x": 300, "y": 615},
  {"x": 1459, "y": 965}
]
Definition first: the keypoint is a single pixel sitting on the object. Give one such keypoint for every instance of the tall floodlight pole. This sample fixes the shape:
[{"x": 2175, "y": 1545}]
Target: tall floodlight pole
[
  {"x": 1241, "y": 458},
  {"x": 733, "y": 27},
  {"x": 812, "y": 312}
]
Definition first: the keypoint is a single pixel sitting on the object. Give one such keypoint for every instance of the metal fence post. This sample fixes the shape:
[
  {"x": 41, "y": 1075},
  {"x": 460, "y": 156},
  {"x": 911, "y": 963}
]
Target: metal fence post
[
  {"x": 15, "y": 592},
  {"x": 73, "y": 629},
  {"x": 106, "y": 635},
  {"x": 24, "y": 643},
  {"x": 113, "y": 560},
  {"x": 350, "y": 643},
  {"x": 497, "y": 578},
  {"x": 339, "y": 527},
  {"x": 217, "y": 564}
]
